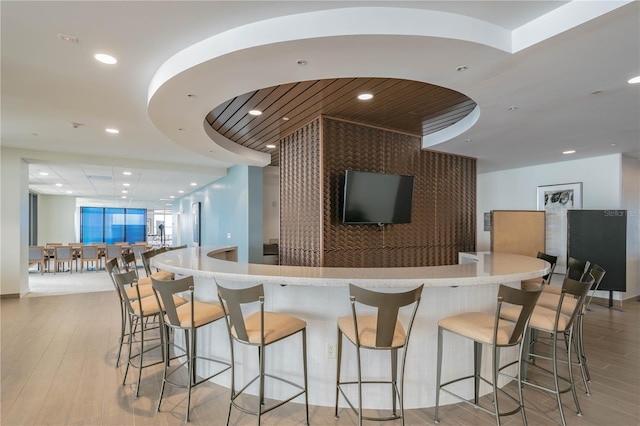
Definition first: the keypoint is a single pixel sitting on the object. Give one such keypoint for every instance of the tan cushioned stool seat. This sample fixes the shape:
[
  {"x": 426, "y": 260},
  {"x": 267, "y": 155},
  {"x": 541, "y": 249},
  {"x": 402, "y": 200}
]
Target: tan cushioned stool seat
[
  {"x": 552, "y": 289},
  {"x": 144, "y": 281},
  {"x": 478, "y": 326},
  {"x": 367, "y": 331},
  {"x": 551, "y": 300},
  {"x": 276, "y": 326},
  {"x": 145, "y": 290},
  {"x": 163, "y": 275},
  {"x": 203, "y": 313},
  {"x": 150, "y": 305},
  {"x": 542, "y": 318}
]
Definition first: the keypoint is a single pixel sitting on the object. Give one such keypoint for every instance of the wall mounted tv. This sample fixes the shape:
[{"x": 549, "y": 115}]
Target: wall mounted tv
[{"x": 377, "y": 198}]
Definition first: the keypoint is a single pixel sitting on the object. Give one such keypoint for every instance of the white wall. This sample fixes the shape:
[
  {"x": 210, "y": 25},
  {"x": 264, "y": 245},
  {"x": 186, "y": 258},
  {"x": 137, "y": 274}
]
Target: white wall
[
  {"x": 631, "y": 203},
  {"x": 602, "y": 183},
  {"x": 14, "y": 231},
  {"x": 271, "y": 199},
  {"x": 57, "y": 219}
]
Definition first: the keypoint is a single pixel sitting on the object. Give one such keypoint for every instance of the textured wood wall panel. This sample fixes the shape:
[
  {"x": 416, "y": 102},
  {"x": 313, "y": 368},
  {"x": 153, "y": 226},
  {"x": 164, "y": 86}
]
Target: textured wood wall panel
[
  {"x": 443, "y": 216},
  {"x": 300, "y": 202}
]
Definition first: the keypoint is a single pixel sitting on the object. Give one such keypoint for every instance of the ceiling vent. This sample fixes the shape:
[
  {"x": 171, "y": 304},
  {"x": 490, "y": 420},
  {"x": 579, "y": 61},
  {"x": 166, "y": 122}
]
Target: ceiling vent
[{"x": 97, "y": 177}]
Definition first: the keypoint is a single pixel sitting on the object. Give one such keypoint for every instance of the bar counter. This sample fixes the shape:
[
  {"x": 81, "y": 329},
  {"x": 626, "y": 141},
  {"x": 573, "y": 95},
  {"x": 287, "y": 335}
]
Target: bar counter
[{"x": 319, "y": 295}]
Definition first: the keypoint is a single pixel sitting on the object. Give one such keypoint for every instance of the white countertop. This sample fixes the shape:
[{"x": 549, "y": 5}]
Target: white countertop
[{"x": 490, "y": 268}]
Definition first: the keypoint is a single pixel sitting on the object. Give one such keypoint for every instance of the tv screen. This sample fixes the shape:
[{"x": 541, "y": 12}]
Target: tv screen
[{"x": 377, "y": 198}]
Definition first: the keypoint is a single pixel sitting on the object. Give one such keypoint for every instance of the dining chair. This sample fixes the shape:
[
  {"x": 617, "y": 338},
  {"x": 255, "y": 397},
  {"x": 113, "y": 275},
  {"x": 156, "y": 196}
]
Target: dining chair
[
  {"x": 63, "y": 255},
  {"x": 89, "y": 255},
  {"x": 37, "y": 256}
]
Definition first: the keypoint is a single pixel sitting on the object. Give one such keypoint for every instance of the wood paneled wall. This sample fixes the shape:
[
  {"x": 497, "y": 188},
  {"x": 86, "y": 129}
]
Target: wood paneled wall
[{"x": 313, "y": 162}]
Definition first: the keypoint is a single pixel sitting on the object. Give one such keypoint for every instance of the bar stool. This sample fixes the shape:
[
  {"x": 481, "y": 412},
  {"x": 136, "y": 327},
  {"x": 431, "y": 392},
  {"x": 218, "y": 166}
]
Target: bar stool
[
  {"x": 379, "y": 331},
  {"x": 558, "y": 325},
  {"x": 551, "y": 301},
  {"x": 541, "y": 282},
  {"x": 142, "y": 312},
  {"x": 189, "y": 317},
  {"x": 259, "y": 329},
  {"x": 489, "y": 329},
  {"x": 146, "y": 262}
]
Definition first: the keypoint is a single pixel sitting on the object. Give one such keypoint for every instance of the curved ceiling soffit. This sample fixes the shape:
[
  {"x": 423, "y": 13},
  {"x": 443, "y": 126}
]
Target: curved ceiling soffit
[{"x": 195, "y": 80}]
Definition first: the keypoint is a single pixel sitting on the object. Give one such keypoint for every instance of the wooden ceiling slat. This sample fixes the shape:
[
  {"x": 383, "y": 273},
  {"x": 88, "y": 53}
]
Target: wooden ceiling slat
[
  {"x": 303, "y": 110},
  {"x": 228, "y": 109},
  {"x": 298, "y": 93},
  {"x": 407, "y": 106},
  {"x": 241, "y": 117}
]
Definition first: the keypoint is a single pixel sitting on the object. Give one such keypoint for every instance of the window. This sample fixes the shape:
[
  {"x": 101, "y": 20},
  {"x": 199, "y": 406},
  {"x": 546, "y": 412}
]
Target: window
[{"x": 111, "y": 225}]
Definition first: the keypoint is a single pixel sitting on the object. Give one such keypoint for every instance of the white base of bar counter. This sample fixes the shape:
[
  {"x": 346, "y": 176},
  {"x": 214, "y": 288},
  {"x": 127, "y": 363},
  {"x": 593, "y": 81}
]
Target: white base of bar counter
[{"x": 320, "y": 295}]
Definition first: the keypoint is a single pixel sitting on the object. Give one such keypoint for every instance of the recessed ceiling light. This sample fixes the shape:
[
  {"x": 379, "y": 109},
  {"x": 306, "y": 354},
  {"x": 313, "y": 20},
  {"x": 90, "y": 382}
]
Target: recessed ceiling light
[
  {"x": 285, "y": 118},
  {"x": 114, "y": 131},
  {"x": 634, "y": 80},
  {"x": 461, "y": 68},
  {"x": 193, "y": 184},
  {"x": 124, "y": 196},
  {"x": 172, "y": 196},
  {"x": 124, "y": 191},
  {"x": 302, "y": 62},
  {"x": 69, "y": 192},
  {"x": 105, "y": 59},
  {"x": 512, "y": 108},
  {"x": 43, "y": 174},
  {"x": 255, "y": 112},
  {"x": 125, "y": 184},
  {"x": 614, "y": 144},
  {"x": 271, "y": 146},
  {"x": 365, "y": 96},
  {"x": 168, "y": 204},
  {"x": 596, "y": 92},
  {"x": 126, "y": 173},
  {"x": 570, "y": 151},
  {"x": 58, "y": 184},
  {"x": 181, "y": 192}
]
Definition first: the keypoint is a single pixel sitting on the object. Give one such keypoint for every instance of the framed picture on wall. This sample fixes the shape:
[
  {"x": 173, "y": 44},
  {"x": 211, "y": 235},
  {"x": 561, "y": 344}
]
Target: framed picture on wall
[
  {"x": 195, "y": 215},
  {"x": 555, "y": 200}
]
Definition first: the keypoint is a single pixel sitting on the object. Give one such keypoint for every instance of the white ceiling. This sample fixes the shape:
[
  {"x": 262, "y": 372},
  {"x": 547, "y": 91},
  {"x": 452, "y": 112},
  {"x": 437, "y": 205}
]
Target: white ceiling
[{"x": 48, "y": 83}]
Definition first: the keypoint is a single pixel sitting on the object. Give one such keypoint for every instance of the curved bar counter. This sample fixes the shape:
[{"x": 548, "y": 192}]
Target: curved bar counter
[{"x": 320, "y": 295}]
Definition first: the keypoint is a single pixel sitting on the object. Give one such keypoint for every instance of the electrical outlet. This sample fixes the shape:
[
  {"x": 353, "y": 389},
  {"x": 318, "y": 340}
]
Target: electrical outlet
[
  {"x": 228, "y": 234},
  {"x": 331, "y": 350}
]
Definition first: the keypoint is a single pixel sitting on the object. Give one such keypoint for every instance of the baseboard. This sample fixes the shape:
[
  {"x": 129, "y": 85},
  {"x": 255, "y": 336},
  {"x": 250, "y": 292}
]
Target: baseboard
[{"x": 10, "y": 296}]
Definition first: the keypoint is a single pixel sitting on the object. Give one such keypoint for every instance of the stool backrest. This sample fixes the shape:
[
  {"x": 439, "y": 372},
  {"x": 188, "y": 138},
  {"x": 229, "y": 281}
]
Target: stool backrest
[
  {"x": 579, "y": 291},
  {"x": 232, "y": 301},
  {"x": 146, "y": 259},
  {"x": 577, "y": 269},
  {"x": 387, "y": 305},
  {"x": 597, "y": 272},
  {"x": 129, "y": 262},
  {"x": 164, "y": 291},
  {"x": 526, "y": 299},
  {"x": 553, "y": 260},
  {"x": 123, "y": 280}
]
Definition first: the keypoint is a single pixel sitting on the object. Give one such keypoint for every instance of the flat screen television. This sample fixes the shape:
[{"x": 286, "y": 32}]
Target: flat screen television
[{"x": 377, "y": 198}]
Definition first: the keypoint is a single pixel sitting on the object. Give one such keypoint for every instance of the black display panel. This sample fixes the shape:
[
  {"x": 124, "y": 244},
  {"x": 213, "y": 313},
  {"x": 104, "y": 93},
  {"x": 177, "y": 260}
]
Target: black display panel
[
  {"x": 377, "y": 198},
  {"x": 600, "y": 236}
]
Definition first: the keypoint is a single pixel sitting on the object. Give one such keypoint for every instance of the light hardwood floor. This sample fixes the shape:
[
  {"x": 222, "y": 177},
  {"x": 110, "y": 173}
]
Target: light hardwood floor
[{"x": 58, "y": 354}]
